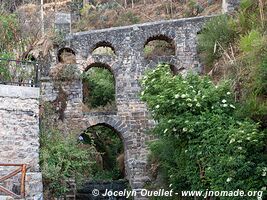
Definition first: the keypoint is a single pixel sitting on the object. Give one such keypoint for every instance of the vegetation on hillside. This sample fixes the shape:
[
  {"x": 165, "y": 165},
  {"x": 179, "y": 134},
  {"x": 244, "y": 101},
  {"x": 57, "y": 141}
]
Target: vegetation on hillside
[{"x": 212, "y": 130}]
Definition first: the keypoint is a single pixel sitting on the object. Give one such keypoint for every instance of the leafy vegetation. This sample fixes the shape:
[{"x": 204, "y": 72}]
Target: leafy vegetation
[
  {"x": 202, "y": 143},
  {"x": 236, "y": 47},
  {"x": 216, "y": 35},
  {"x": 213, "y": 136},
  {"x": 62, "y": 158},
  {"x": 99, "y": 88}
]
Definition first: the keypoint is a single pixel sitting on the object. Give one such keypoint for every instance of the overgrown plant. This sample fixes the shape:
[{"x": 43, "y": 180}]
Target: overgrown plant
[
  {"x": 99, "y": 87},
  {"x": 216, "y": 34},
  {"x": 62, "y": 159},
  {"x": 201, "y": 143}
]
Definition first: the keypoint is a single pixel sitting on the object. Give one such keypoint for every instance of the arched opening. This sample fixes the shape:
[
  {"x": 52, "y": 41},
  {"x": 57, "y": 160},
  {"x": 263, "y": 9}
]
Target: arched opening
[
  {"x": 159, "y": 45},
  {"x": 99, "y": 88},
  {"x": 108, "y": 172},
  {"x": 66, "y": 56},
  {"x": 104, "y": 48},
  {"x": 109, "y": 150}
]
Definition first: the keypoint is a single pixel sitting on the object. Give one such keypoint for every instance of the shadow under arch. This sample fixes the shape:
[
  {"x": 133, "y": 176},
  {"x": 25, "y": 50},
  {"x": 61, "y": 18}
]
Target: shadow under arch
[
  {"x": 159, "y": 37},
  {"x": 99, "y": 65},
  {"x": 159, "y": 45},
  {"x": 104, "y": 44},
  {"x": 66, "y": 50}
]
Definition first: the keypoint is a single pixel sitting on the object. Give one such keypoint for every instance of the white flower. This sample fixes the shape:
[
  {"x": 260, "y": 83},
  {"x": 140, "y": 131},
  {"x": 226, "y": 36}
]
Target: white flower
[
  {"x": 184, "y": 82},
  {"x": 176, "y": 96},
  {"x": 228, "y": 93},
  {"x": 225, "y": 105},
  {"x": 183, "y": 95},
  {"x": 240, "y": 148},
  {"x": 174, "y": 129},
  {"x": 191, "y": 86},
  {"x": 263, "y": 174},
  {"x": 232, "y": 106},
  {"x": 188, "y": 99},
  {"x": 157, "y": 106},
  {"x": 198, "y": 104},
  {"x": 186, "y": 121},
  {"x": 165, "y": 130},
  {"x": 186, "y": 151},
  {"x": 170, "y": 185},
  {"x": 264, "y": 169},
  {"x": 184, "y": 129},
  {"x": 232, "y": 140},
  {"x": 190, "y": 104},
  {"x": 228, "y": 179},
  {"x": 224, "y": 101},
  {"x": 263, "y": 188}
]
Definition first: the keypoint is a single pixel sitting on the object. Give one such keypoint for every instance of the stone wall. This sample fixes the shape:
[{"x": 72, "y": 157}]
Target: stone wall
[
  {"x": 229, "y": 6},
  {"x": 19, "y": 136}
]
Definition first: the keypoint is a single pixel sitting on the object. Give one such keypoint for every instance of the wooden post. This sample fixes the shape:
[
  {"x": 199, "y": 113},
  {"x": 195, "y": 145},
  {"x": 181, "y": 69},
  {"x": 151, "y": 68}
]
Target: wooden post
[{"x": 23, "y": 175}]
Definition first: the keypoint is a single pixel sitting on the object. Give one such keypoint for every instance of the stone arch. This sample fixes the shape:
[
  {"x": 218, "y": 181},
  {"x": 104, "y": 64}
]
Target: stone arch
[
  {"x": 101, "y": 65},
  {"x": 109, "y": 102},
  {"x": 110, "y": 121},
  {"x": 70, "y": 55},
  {"x": 117, "y": 125},
  {"x": 160, "y": 39},
  {"x": 104, "y": 44}
]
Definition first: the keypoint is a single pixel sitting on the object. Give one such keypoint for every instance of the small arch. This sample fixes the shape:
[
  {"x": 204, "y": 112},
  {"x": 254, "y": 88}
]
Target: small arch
[
  {"x": 99, "y": 88},
  {"x": 66, "y": 56},
  {"x": 103, "y": 48},
  {"x": 159, "y": 45}
]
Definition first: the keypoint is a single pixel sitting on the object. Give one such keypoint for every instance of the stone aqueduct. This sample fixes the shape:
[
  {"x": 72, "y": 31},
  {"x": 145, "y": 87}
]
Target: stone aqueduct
[
  {"x": 19, "y": 117},
  {"x": 131, "y": 120}
]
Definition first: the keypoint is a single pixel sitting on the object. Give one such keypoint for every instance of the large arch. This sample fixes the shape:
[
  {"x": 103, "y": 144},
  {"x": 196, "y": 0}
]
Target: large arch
[{"x": 115, "y": 123}]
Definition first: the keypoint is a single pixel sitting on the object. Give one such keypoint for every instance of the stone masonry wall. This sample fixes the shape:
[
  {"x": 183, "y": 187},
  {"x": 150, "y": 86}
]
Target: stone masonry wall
[
  {"x": 19, "y": 136},
  {"x": 229, "y": 6}
]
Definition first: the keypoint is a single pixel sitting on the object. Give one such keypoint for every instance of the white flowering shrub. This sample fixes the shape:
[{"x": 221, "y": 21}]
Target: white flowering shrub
[{"x": 202, "y": 143}]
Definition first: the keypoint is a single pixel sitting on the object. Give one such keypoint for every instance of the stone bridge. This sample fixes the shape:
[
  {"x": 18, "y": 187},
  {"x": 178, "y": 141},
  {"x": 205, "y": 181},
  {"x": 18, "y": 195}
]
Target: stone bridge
[{"x": 131, "y": 119}]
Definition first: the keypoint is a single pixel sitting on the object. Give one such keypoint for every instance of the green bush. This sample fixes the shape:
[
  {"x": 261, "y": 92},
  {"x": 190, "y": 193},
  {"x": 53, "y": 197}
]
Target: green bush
[
  {"x": 252, "y": 40},
  {"x": 61, "y": 159},
  {"x": 202, "y": 143},
  {"x": 101, "y": 87},
  {"x": 218, "y": 32}
]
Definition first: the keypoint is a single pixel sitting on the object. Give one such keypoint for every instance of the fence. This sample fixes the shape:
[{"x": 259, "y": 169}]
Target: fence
[
  {"x": 22, "y": 169},
  {"x": 19, "y": 72}
]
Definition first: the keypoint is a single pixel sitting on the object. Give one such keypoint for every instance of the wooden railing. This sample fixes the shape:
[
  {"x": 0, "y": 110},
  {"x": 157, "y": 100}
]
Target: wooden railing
[{"x": 22, "y": 169}]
